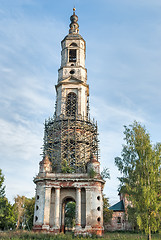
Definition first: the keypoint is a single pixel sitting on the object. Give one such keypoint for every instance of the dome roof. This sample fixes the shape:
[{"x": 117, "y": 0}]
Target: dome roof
[{"x": 74, "y": 26}]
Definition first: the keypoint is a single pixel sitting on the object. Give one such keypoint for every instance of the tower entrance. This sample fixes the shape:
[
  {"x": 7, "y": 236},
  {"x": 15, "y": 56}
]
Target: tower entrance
[
  {"x": 70, "y": 151},
  {"x": 68, "y": 215}
]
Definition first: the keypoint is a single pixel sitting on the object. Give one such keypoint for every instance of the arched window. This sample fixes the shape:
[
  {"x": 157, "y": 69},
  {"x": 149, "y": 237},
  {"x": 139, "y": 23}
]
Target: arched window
[
  {"x": 71, "y": 104},
  {"x": 73, "y": 44}
]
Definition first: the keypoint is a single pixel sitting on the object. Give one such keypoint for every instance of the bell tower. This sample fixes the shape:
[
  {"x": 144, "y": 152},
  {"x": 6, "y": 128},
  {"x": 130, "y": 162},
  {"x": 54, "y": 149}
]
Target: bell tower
[
  {"x": 70, "y": 169},
  {"x": 72, "y": 74}
]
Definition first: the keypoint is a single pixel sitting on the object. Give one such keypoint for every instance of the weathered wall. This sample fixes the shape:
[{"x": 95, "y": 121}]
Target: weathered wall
[{"x": 86, "y": 192}]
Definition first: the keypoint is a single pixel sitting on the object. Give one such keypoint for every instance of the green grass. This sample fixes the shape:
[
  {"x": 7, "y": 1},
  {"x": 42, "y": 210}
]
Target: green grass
[{"x": 17, "y": 235}]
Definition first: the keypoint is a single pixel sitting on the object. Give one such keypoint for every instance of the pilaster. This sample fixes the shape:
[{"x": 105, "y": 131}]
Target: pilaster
[
  {"x": 57, "y": 208},
  {"x": 78, "y": 208},
  {"x": 88, "y": 207},
  {"x": 47, "y": 199}
]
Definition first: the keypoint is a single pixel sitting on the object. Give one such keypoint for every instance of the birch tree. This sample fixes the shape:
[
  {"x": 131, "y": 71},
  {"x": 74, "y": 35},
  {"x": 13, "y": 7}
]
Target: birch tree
[{"x": 140, "y": 166}]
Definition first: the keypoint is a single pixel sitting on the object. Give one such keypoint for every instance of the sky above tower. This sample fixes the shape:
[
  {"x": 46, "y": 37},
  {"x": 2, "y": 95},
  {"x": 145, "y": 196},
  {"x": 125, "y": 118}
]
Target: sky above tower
[{"x": 124, "y": 75}]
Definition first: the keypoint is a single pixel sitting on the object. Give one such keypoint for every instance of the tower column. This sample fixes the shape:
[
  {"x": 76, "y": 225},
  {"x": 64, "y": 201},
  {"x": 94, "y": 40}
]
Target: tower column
[
  {"x": 63, "y": 218},
  {"x": 78, "y": 207},
  {"x": 88, "y": 207},
  {"x": 57, "y": 208},
  {"x": 47, "y": 197},
  {"x": 79, "y": 101}
]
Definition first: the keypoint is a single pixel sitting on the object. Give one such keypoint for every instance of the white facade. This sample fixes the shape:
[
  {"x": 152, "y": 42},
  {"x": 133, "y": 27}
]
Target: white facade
[{"x": 53, "y": 190}]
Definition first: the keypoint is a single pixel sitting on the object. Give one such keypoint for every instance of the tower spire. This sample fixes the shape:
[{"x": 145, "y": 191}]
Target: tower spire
[
  {"x": 74, "y": 10},
  {"x": 74, "y": 26}
]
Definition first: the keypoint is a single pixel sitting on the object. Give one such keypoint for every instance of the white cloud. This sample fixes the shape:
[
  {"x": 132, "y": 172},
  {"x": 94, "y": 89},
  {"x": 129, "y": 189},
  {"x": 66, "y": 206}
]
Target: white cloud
[
  {"x": 104, "y": 112},
  {"x": 29, "y": 50},
  {"x": 19, "y": 154},
  {"x": 123, "y": 61},
  {"x": 18, "y": 141}
]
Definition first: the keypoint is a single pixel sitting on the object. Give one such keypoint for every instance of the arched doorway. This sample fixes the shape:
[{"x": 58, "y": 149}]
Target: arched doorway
[{"x": 68, "y": 215}]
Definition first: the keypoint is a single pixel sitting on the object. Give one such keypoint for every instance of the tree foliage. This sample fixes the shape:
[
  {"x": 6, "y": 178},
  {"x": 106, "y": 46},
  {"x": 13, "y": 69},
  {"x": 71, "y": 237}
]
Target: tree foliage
[
  {"x": 24, "y": 211},
  {"x": 29, "y": 212},
  {"x": 7, "y": 217},
  {"x": 140, "y": 166},
  {"x": 66, "y": 168},
  {"x": 70, "y": 214},
  {"x": 19, "y": 210},
  {"x": 105, "y": 174},
  {"x": 107, "y": 214},
  {"x": 2, "y": 187},
  {"x": 132, "y": 217},
  {"x": 18, "y": 215},
  {"x": 92, "y": 173}
]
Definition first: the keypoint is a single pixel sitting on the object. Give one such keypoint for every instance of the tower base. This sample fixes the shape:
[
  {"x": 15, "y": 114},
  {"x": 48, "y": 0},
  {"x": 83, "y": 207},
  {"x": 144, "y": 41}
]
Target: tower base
[
  {"x": 55, "y": 190},
  {"x": 87, "y": 231}
]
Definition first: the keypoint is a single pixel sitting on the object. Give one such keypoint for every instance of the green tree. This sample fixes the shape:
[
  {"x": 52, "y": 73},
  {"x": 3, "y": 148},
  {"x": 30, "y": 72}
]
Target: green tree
[
  {"x": 140, "y": 166},
  {"x": 19, "y": 210},
  {"x": 2, "y": 187},
  {"x": 105, "y": 174},
  {"x": 70, "y": 214},
  {"x": 24, "y": 211},
  {"x": 7, "y": 217},
  {"x": 107, "y": 214},
  {"x": 132, "y": 217},
  {"x": 29, "y": 212}
]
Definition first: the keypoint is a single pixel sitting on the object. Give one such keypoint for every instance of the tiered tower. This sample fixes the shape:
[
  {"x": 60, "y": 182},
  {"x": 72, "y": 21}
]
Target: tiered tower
[{"x": 70, "y": 170}]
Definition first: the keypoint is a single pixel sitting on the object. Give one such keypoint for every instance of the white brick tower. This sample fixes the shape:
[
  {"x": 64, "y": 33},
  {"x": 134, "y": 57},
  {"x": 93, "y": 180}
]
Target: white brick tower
[{"x": 70, "y": 170}]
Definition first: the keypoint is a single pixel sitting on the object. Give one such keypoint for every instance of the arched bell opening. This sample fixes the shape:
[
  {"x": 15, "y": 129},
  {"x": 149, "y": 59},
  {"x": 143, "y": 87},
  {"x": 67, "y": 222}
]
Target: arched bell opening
[
  {"x": 71, "y": 104},
  {"x": 68, "y": 215}
]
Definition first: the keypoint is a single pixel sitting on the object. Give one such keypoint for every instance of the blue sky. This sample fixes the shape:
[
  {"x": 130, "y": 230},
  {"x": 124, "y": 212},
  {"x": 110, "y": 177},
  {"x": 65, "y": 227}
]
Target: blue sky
[{"x": 124, "y": 73}]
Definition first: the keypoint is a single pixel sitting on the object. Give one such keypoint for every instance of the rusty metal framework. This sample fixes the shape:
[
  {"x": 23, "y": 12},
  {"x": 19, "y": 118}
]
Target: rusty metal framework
[{"x": 69, "y": 142}]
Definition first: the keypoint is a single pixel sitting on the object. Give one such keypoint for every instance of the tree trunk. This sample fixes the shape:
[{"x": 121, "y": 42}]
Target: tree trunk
[{"x": 149, "y": 235}]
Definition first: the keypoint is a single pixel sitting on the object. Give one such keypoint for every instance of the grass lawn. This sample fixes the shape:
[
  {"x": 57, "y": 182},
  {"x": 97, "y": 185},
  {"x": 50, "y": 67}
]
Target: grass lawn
[{"x": 16, "y": 235}]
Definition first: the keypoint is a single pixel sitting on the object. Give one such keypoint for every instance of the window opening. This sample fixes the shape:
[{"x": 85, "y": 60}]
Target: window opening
[
  {"x": 72, "y": 71},
  {"x": 72, "y": 55},
  {"x": 119, "y": 220},
  {"x": 73, "y": 44},
  {"x": 71, "y": 104}
]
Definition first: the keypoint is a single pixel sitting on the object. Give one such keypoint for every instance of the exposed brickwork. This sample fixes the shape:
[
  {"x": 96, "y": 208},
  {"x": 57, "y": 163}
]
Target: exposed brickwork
[{"x": 119, "y": 219}]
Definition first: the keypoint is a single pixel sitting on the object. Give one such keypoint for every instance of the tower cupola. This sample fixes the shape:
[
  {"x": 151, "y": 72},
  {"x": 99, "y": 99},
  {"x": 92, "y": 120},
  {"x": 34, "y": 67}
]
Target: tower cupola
[{"x": 74, "y": 26}]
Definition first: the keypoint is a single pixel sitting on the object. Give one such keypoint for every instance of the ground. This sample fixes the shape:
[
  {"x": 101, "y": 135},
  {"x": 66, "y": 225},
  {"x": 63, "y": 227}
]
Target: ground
[{"x": 16, "y": 235}]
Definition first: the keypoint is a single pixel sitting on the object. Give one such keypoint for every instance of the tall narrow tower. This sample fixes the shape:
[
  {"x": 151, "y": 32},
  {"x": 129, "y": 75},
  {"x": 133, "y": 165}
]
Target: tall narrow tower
[{"x": 70, "y": 170}]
